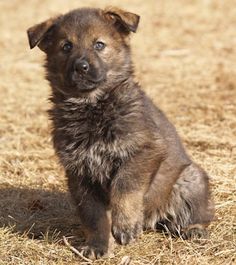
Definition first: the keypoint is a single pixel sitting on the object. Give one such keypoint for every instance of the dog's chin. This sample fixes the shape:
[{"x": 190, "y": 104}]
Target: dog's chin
[{"x": 87, "y": 85}]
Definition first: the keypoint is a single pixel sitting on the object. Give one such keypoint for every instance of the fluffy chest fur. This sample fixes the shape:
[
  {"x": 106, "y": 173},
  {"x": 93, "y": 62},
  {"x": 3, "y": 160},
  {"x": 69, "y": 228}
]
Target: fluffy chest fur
[{"x": 95, "y": 139}]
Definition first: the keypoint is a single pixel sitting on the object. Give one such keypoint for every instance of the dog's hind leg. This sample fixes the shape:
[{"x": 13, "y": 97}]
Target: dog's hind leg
[{"x": 190, "y": 209}]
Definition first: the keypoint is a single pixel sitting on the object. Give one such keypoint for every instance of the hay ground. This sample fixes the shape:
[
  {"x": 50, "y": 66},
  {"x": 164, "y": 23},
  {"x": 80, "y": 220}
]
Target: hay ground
[{"x": 185, "y": 57}]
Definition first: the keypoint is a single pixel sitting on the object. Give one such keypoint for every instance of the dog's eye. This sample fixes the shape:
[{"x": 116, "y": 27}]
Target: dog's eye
[
  {"x": 67, "y": 47},
  {"x": 99, "y": 45}
]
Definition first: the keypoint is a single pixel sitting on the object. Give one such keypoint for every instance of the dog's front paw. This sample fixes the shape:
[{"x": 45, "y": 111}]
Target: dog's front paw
[
  {"x": 93, "y": 252},
  {"x": 124, "y": 234}
]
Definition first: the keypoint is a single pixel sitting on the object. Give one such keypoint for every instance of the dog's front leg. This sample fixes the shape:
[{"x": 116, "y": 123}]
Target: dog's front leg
[
  {"x": 96, "y": 224},
  {"x": 127, "y": 214},
  {"x": 127, "y": 219},
  {"x": 127, "y": 193},
  {"x": 127, "y": 206},
  {"x": 94, "y": 216}
]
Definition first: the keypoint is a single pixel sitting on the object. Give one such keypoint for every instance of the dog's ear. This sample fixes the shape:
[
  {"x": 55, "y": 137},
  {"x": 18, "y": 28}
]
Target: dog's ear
[
  {"x": 41, "y": 34},
  {"x": 123, "y": 20}
]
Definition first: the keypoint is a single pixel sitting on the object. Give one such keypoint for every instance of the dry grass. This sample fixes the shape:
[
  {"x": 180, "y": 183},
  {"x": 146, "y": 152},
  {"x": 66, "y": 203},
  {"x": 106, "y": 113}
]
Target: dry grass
[{"x": 185, "y": 56}]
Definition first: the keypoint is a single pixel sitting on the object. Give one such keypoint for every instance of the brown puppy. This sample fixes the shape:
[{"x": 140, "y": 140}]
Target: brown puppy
[{"x": 126, "y": 167}]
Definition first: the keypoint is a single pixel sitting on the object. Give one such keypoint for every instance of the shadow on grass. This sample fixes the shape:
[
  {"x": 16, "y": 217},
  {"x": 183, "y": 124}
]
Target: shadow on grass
[{"x": 39, "y": 214}]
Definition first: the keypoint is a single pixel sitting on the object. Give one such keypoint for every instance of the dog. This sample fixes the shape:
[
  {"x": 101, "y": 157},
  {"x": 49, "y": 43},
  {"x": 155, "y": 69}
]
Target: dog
[{"x": 126, "y": 167}]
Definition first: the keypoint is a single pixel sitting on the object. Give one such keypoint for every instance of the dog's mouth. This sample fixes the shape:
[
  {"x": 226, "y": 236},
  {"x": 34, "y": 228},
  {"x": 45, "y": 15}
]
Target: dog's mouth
[{"x": 85, "y": 84}]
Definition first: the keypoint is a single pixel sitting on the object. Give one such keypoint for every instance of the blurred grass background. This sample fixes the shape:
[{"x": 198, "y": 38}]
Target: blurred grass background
[{"x": 185, "y": 58}]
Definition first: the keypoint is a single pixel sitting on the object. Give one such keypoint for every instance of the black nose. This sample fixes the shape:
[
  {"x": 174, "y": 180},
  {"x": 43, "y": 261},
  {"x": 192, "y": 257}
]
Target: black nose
[{"x": 81, "y": 66}]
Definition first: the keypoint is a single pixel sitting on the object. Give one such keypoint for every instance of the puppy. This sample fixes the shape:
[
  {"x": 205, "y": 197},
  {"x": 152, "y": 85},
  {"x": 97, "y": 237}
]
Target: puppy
[{"x": 126, "y": 167}]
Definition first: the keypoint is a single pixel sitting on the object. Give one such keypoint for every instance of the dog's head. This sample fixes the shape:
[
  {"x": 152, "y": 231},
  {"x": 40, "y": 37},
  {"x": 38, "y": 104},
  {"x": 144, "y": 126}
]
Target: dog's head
[{"x": 86, "y": 48}]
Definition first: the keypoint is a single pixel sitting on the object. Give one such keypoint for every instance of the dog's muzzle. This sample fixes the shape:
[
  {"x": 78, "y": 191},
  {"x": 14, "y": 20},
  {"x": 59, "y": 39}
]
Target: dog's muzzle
[{"x": 86, "y": 76}]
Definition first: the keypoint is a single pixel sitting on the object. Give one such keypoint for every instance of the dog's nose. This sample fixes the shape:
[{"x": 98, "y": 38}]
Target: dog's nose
[{"x": 81, "y": 66}]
